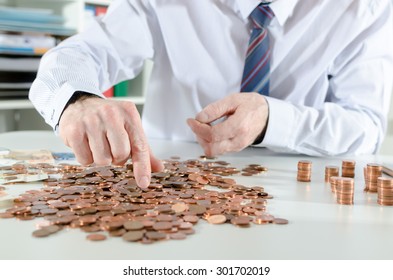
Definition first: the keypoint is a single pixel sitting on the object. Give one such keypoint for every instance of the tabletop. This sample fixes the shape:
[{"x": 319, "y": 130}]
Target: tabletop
[{"x": 319, "y": 228}]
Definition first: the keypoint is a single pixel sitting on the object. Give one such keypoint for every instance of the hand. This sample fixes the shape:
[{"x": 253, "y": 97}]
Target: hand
[
  {"x": 104, "y": 132},
  {"x": 245, "y": 115}
]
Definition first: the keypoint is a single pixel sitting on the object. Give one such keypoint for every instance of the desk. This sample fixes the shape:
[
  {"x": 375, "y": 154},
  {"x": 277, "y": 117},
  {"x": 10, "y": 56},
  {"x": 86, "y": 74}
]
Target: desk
[{"x": 318, "y": 228}]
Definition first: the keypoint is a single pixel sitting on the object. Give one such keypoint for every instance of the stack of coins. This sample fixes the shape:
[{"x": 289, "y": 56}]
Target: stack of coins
[
  {"x": 345, "y": 190},
  {"x": 333, "y": 183},
  {"x": 371, "y": 173},
  {"x": 385, "y": 191},
  {"x": 304, "y": 171},
  {"x": 348, "y": 168},
  {"x": 330, "y": 171},
  {"x": 253, "y": 169}
]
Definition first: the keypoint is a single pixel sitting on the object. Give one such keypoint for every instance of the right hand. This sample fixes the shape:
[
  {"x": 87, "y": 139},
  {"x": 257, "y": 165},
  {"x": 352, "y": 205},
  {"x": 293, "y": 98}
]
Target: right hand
[{"x": 103, "y": 132}]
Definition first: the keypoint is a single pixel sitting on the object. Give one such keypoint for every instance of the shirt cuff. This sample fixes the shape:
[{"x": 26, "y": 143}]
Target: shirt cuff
[
  {"x": 280, "y": 125},
  {"x": 63, "y": 95}
]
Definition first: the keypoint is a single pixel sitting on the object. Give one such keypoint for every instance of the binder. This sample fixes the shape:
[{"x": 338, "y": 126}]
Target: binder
[{"x": 121, "y": 89}]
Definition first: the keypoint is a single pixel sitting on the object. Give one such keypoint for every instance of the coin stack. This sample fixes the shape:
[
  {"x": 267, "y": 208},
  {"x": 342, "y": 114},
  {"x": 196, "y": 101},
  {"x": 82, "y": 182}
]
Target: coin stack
[
  {"x": 330, "y": 171},
  {"x": 304, "y": 171},
  {"x": 372, "y": 173},
  {"x": 385, "y": 191},
  {"x": 333, "y": 183},
  {"x": 253, "y": 169},
  {"x": 348, "y": 168},
  {"x": 345, "y": 188}
]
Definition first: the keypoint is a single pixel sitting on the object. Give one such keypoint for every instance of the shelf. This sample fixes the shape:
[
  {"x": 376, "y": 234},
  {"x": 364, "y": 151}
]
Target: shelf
[
  {"x": 98, "y": 2},
  {"x": 137, "y": 100},
  {"x": 15, "y": 104}
]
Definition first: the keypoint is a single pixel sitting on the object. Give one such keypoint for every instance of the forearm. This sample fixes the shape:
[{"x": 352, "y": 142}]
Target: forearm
[{"x": 331, "y": 130}]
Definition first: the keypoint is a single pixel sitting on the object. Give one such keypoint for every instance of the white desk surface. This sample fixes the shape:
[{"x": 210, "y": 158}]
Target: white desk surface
[{"x": 318, "y": 228}]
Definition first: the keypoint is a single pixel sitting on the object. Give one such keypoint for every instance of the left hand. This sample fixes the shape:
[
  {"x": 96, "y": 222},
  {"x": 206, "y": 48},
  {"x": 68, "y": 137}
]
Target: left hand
[{"x": 246, "y": 118}]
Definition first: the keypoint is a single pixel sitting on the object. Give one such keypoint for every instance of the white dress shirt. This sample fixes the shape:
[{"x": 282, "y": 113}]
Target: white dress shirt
[{"x": 331, "y": 68}]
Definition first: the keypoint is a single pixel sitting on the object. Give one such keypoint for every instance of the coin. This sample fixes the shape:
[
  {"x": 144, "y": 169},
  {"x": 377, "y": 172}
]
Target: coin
[
  {"x": 96, "y": 237},
  {"x": 52, "y": 229},
  {"x": 162, "y": 226},
  {"x": 178, "y": 235},
  {"x": 217, "y": 219},
  {"x": 155, "y": 235},
  {"x": 191, "y": 219},
  {"x": 179, "y": 207},
  {"x": 133, "y": 236},
  {"x": 41, "y": 233},
  {"x": 241, "y": 221},
  {"x": 280, "y": 221},
  {"x": 133, "y": 225}
]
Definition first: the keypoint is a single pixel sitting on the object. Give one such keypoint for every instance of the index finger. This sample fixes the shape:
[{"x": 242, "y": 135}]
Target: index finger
[{"x": 140, "y": 152}]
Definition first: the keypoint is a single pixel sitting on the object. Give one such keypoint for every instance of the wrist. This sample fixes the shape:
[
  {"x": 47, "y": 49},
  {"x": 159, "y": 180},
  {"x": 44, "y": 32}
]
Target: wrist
[
  {"x": 79, "y": 96},
  {"x": 260, "y": 137}
]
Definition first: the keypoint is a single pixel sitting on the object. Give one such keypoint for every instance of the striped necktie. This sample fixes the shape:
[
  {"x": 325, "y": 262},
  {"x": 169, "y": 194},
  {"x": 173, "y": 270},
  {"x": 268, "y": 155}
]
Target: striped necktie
[{"x": 256, "y": 73}]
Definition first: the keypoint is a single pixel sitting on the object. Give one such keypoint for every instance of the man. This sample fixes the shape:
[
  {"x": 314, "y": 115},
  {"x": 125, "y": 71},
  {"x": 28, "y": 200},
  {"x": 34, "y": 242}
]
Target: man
[{"x": 325, "y": 91}]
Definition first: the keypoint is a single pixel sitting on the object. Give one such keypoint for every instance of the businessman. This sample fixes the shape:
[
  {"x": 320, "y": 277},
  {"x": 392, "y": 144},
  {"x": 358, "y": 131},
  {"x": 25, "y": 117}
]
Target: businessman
[{"x": 302, "y": 76}]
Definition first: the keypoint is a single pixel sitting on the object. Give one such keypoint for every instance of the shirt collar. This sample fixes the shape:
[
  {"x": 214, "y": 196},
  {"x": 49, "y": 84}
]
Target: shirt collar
[{"x": 282, "y": 9}]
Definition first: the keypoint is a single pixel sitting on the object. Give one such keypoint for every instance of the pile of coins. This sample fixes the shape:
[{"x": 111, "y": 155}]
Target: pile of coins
[
  {"x": 348, "y": 168},
  {"x": 106, "y": 201},
  {"x": 385, "y": 191},
  {"x": 304, "y": 171},
  {"x": 344, "y": 189},
  {"x": 371, "y": 174},
  {"x": 331, "y": 171},
  {"x": 253, "y": 169}
]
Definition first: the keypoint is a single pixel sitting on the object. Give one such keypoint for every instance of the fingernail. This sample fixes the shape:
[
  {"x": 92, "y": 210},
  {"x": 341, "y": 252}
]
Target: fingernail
[{"x": 144, "y": 182}]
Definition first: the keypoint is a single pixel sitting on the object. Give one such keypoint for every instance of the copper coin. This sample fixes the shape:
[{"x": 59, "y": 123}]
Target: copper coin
[
  {"x": 133, "y": 236},
  {"x": 49, "y": 211},
  {"x": 185, "y": 225},
  {"x": 188, "y": 231},
  {"x": 217, "y": 219},
  {"x": 52, "y": 229},
  {"x": 280, "y": 221},
  {"x": 162, "y": 226},
  {"x": 6, "y": 215},
  {"x": 191, "y": 219},
  {"x": 91, "y": 228},
  {"x": 96, "y": 237},
  {"x": 133, "y": 225},
  {"x": 117, "y": 232},
  {"x": 164, "y": 218},
  {"x": 41, "y": 233},
  {"x": 197, "y": 209},
  {"x": 179, "y": 207},
  {"x": 263, "y": 219},
  {"x": 241, "y": 221},
  {"x": 155, "y": 235},
  {"x": 178, "y": 236}
]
